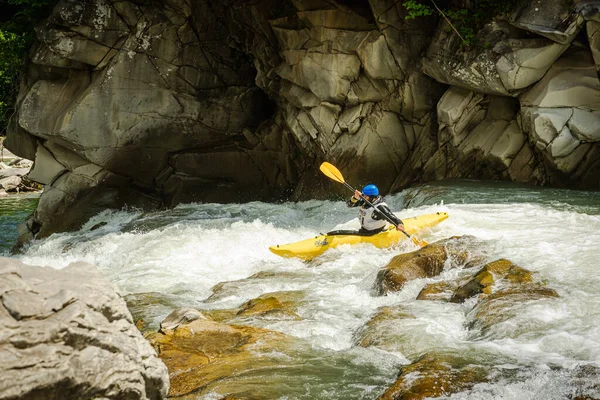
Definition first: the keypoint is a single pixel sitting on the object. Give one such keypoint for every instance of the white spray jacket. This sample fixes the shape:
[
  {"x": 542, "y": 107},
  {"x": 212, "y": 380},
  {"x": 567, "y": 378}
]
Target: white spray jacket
[{"x": 373, "y": 218}]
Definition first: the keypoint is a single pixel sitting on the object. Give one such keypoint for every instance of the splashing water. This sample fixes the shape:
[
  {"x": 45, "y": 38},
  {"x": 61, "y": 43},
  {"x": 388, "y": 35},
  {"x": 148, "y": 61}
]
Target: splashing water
[{"x": 181, "y": 254}]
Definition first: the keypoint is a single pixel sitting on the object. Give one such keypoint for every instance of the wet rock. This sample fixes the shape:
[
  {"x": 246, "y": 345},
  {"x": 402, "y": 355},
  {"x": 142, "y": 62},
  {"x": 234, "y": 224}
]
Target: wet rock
[
  {"x": 426, "y": 262},
  {"x": 491, "y": 274},
  {"x": 151, "y": 307},
  {"x": 586, "y": 380},
  {"x": 98, "y": 225},
  {"x": 225, "y": 289},
  {"x": 67, "y": 333},
  {"x": 202, "y": 354},
  {"x": 439, "y": 291},
  {"x": 435, "y": 375}
]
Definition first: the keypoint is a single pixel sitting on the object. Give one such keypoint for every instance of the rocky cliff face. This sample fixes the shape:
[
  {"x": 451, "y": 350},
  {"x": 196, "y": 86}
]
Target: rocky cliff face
[{"x": 150, "y": 104}]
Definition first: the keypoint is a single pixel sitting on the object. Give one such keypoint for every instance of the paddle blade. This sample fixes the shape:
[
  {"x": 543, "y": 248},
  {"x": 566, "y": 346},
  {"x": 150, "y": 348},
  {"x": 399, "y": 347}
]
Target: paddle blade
[
  {"x": 418, "y": 242},
  {"x": 332, "y": 172}
]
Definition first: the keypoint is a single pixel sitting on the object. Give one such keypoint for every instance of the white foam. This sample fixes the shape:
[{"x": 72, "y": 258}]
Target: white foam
[{"x": 196, "y": 247}]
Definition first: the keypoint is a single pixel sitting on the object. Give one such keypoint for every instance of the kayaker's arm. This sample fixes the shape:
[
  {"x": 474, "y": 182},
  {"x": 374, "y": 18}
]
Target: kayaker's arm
[
  {"x": 356, "y": 200},
  {"x": 383, "y": 209}
]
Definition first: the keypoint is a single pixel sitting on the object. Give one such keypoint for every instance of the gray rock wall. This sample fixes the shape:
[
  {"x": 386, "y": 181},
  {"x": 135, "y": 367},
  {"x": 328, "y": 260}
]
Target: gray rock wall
[
  {"x": 150, "y": 104},
  {"x": 66, "y": 334}
]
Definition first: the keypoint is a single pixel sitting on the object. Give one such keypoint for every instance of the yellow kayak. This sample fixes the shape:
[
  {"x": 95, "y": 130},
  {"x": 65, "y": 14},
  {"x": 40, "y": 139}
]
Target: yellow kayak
[{"x": 310, "y": 248}]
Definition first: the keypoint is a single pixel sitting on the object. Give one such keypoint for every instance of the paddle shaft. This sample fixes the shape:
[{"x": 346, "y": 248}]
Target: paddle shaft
[{"x": 372, "y": 205}]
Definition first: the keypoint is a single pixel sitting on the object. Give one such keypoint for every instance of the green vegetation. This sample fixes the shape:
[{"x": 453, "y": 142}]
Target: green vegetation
[
  {"x": 465, "y": 21},
  {"x": 17, "y": 21}
]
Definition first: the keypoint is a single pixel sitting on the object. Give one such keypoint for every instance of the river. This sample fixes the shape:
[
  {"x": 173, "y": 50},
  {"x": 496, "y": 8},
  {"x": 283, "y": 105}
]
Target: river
[{"x": 179, "y": 255}]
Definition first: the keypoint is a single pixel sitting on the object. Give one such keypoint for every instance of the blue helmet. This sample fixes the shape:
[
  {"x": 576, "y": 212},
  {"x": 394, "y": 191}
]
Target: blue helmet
[{"x": 370, "y": 190}]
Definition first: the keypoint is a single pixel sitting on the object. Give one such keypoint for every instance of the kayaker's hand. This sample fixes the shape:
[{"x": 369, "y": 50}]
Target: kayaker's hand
[
  {"x": 400, "y": 227},
  {"x": 357, "y": 194}
]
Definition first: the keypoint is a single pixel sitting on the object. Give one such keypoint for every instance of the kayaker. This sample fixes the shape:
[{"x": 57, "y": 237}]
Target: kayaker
[{"x": 373, "y": 219}]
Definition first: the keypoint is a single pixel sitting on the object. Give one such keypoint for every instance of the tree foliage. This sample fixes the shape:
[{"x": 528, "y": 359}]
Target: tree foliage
[
  {"x": 466, "y": 21},
  {"x": 17, "y": 21}
]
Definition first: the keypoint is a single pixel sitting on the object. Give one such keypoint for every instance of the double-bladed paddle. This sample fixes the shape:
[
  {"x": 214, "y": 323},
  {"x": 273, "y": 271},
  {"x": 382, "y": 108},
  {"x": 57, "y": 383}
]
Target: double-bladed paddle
[{"x": 334, "y": 174}]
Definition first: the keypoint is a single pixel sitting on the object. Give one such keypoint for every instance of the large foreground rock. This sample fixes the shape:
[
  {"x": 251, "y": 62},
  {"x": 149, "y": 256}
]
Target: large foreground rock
[
  {"x": 203, "y": 355},
  {"x": 66, "y": 334}
]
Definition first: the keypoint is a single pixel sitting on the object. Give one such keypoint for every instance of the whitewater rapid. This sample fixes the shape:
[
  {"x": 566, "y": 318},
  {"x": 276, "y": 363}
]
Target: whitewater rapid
[{"x": 183, "y": 253}]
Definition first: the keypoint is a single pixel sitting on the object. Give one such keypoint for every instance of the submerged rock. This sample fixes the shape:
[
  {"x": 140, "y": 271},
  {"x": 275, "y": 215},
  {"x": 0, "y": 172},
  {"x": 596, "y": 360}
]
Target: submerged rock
[
  {"x": 68, "y": 334},
  {"x": 229, "y": 288},
  {"x": 502, "y": 305},
  {"x": 279, "y": 305},
  {"x": 148, "y": 309},
  {"x": 377, "y": 331}
]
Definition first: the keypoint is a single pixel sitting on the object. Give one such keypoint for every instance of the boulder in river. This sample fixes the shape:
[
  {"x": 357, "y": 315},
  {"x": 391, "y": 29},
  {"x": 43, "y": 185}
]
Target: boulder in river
[
  {"x": 491, "y": 274},
  {"x": 426, "y": 262}
]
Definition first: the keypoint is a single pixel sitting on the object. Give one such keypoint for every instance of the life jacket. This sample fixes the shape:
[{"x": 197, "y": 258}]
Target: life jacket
[{"x": 366, "y": 216}]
